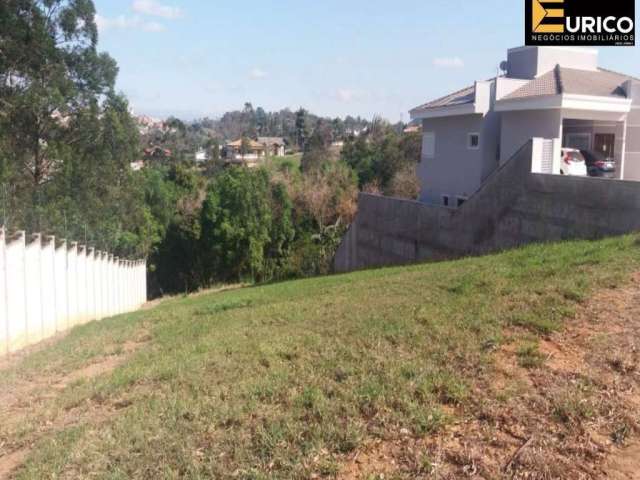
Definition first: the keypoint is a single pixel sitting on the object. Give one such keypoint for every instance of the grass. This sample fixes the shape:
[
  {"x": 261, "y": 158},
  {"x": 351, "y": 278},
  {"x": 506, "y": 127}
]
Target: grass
[
  {"x": 283, "y": 380},
  {"x": 529, "y": 355}
]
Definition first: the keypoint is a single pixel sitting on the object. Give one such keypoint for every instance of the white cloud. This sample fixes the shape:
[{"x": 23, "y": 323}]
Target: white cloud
[
  {"x": 257, "y": 73},
  {"x": 155, "y": 9},
  {"x": 448, "y": 62},
  {"x": 123, "y": 22}
]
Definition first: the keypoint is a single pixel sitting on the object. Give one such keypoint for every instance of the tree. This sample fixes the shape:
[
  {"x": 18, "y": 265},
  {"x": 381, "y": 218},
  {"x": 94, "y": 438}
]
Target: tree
[
  {"x": 380, "y": 153},
  {"x": 50, "y": 75},
  {"x": 50, "y": 71},
  {"x": 261, "y": 121},
  {"x": 405, "y": 183},
  {"x": 302, "y": 128},
  {"x": 316, "y": 149},
  {"x": 176, "y": 262},
  {"x": 245, "y": 223}
]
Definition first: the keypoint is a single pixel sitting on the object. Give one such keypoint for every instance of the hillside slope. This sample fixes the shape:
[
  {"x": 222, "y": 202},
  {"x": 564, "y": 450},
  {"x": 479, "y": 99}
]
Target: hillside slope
[{"x": 516, "y": 365}]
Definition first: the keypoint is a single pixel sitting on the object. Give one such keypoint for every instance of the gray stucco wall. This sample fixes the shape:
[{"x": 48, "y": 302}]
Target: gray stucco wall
[
  {"x": 520, "y": 126},
  {"x": 514, "y": 207},
  {"x": 455, "y": 169}
]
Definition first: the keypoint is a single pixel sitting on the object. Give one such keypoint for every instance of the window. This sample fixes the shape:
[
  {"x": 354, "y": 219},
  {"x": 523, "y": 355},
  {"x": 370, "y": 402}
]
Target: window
[
  {"x": 474, "y": 141},
  {"x": 429, "y": 145},
  {"x": 461, "y": 200},
  {"x": 580, "y": 141},
  {"x": 445, "y": 200}
]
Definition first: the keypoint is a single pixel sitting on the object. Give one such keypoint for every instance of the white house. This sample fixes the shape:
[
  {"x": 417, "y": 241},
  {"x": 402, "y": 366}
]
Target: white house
[
  {"x": 556, "y": 93},
  {"x": 201, "y": 155}
]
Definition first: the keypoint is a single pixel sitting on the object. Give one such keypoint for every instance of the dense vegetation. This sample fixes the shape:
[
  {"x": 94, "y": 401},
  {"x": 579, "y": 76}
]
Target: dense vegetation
[
  {"x": 67, "y": 142},
  {"x": 289, "y": 380},
  {"x": 295, "y": 127}
]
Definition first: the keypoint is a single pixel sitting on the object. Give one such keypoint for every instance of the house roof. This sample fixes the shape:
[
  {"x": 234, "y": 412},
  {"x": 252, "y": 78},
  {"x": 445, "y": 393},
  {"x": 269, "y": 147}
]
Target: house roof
[
  {"x": 252, "y": 144},
  {"x": 461, "y": 97},
  {"x": 269, "y": 141},
  {"x": 561, "y": 80}
]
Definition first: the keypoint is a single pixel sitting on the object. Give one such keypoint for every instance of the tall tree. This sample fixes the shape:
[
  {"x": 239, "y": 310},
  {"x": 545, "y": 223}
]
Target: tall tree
[
  {"x": 302, "y": 128},
  {"x": 50, "y": 74}
]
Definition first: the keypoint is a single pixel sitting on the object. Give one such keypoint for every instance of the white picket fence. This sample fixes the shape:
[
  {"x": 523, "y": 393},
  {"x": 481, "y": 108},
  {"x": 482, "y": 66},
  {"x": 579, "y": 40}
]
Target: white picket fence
[{"x": 48, "y": 287}]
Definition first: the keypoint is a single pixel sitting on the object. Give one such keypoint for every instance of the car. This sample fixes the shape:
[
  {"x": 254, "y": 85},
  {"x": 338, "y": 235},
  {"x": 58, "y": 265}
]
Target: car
[
  {"x": 573, "y": 163},
  {"x": 598, "y": 164}
]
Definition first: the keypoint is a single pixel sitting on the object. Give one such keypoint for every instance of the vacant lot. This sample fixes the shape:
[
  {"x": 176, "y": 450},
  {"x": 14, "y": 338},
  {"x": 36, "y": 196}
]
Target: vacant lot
[{"x": 516, "y": 365}]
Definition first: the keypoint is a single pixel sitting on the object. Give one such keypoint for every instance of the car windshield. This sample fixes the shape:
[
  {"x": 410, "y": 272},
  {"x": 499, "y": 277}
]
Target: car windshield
[
  {"x": 575, "y": 157},
  {"x": 594, "y": 156}
]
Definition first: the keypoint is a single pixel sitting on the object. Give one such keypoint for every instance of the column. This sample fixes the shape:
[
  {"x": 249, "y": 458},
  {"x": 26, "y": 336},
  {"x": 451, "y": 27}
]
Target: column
[
  {"x": 111, "y": 286},
  {"x": 91, "y": 305},
  {"x": 4, "y": 317},
  {"x": 72, "y": 284},
  {"x": 33, "y": 289},
  {"x": 81, "y": 284},
  {"x": 62, "y": 297},
  {"x": 15, "y": 289},
  {"x": 48, "y": 286}
]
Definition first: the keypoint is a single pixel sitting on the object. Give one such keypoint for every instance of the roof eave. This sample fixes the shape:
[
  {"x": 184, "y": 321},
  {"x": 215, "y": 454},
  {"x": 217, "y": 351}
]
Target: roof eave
[
  {"x": 448, "y": 111},
  {"x": 565, "y": 101}
]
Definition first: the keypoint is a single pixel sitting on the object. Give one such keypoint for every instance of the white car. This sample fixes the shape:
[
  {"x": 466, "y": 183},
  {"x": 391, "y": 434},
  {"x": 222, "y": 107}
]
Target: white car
[{"x": 573, "y": 163}]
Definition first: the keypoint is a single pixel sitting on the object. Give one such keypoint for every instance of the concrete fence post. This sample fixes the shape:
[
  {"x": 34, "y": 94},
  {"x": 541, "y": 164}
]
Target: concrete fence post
[
  {"x": 104, "y": 284},
  {"x": 127, "y": 285},
  {"x": 72, "y": 284},
  {"x": 90, "y": 313},
  {"x": 123, "y": 286},
  {"x": 33, "y": 289},
  {"x": 132, "y": 286},
  {"x": 15, "y": 291},
  {"x": 111, "y": 286},
  {"x": 116, "y": 284},
  {"x": 48, "y": 286},
  {"x": 81, "y": 284},
  {"x": 97, "y": 262},
  {"x": 139, "y": 300},
  {"x": 144, "y": 281},
  {"x": 4, "y": 314},
  {"x": 61, "y": 296}
]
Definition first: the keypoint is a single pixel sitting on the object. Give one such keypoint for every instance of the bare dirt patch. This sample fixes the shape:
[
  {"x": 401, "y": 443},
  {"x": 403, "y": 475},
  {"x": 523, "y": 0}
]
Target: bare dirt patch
[
  {"x": 29, "y": 396},
  {"x": 575, "y": 416},
  {"x": 11, "y": 461}
]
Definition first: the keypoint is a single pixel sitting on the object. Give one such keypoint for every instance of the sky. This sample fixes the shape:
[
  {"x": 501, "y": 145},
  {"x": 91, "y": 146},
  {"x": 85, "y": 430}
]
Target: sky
[{"x": 197, "y": 58}]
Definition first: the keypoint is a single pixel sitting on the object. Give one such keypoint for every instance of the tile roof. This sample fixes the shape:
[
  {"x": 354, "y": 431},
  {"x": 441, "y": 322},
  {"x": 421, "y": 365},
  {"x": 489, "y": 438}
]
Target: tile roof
[
  {"x": 251, "y": 144},
  {"x": 271, "y": 140},
  {"x": 461, "y": 97},
  {"x": 601, "y": 83}
]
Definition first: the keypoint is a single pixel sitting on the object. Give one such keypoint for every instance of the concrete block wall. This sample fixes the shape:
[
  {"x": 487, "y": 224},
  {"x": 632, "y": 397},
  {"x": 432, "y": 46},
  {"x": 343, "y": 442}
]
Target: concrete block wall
[
  {"x": 48, "y": 286},
  {"x": 514, "y": 207}
]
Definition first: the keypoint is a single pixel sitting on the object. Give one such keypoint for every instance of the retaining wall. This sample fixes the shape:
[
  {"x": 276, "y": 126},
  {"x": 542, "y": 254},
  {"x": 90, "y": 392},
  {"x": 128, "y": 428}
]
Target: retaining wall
[
  {"x": 514, "y": 207},
  {"x": 47, "y": 287}
]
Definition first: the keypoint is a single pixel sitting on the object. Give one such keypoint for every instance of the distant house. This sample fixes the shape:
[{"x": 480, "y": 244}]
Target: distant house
[
  {"x": 274, "y": 146},
  {"x": 137, "y": 165},
  {"x": 249, "y": 154},
  {"x": 413, "y": 128},
  {"x": 201, "y": 156}
]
